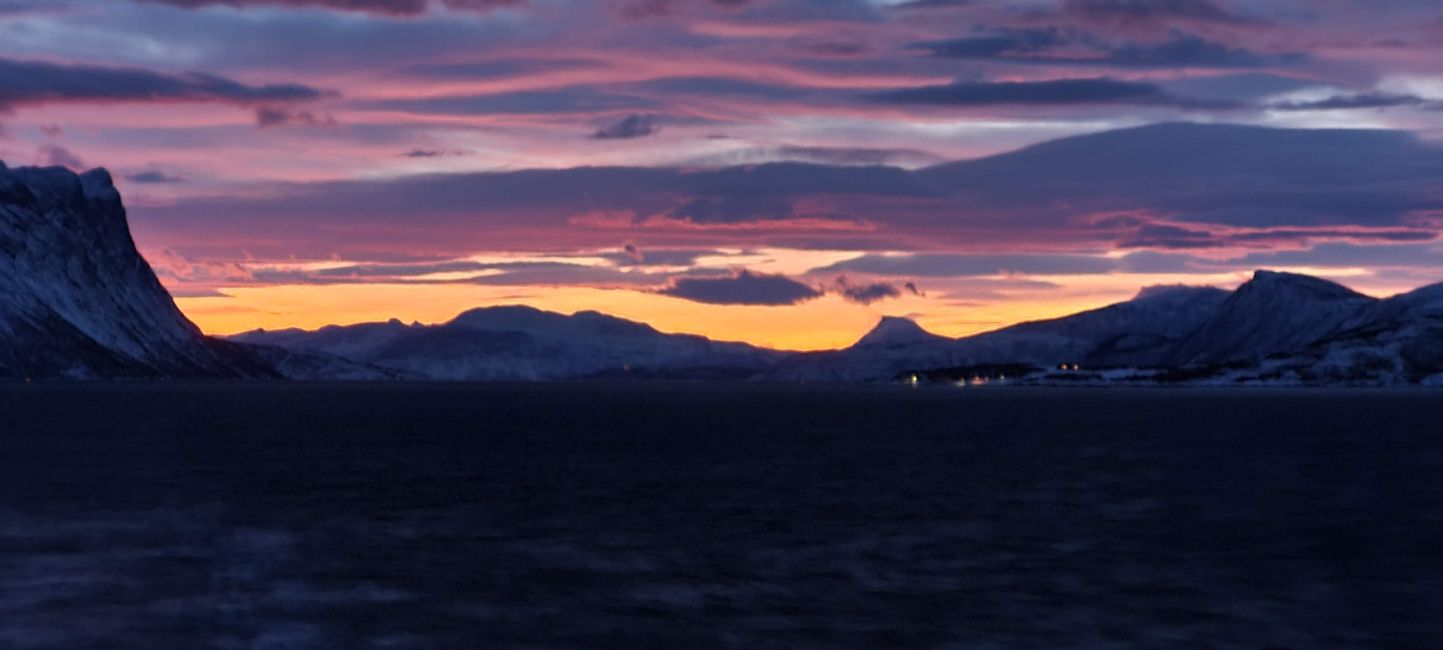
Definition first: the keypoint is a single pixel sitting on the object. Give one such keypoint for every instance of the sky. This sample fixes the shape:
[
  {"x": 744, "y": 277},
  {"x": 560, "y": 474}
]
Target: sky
[{"x": 782, "y": 172}]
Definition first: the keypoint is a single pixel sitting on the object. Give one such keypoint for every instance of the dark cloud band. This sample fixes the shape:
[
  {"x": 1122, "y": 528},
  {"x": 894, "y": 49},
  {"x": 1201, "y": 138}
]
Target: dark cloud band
[
  {"x": 744, "y": 288},
  {"x": 1059, "y": 92},
  {"x": 35, "y": 82},
  {"x": 380, "y": 7}
]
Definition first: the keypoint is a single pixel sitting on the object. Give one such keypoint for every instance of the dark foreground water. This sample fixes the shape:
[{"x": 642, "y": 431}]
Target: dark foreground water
[{"x": 676, "y": 516}]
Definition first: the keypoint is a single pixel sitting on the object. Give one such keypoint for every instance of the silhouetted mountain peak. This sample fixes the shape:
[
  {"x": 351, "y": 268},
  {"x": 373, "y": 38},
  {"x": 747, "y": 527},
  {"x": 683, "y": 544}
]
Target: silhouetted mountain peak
[
  {"x": 1272, "y": 313},
  {"x": 1265, "y": 281},
  {"x": 505, "y": 317},
  {"x": 894, "y": 330}
]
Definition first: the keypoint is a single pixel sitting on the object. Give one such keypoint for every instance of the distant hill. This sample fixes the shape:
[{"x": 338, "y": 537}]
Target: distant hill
[{"x": 516, "y": 343}]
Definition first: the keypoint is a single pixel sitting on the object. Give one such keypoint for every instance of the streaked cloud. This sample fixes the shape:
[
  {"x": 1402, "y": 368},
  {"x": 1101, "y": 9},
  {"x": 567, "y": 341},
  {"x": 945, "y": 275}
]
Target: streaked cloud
[
  {"x": 153, "y": 177},
  {"x": 958, "y": 265},
  {"x": 1154, "y": 12},
  {"x": 1054, "y": 47},
  {"x": 1052, "y": 92}
]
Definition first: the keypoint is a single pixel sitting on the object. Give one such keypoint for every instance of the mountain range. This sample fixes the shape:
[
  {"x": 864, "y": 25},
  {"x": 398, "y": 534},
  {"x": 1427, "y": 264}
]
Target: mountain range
[
  {"x": 79, "y": 302},
  {"x": 516, "y": 343},
  {"x": 1276, "y": 328}
]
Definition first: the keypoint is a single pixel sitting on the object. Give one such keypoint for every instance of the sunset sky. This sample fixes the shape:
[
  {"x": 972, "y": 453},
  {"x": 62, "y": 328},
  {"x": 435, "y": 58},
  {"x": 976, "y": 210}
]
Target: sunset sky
[{"x": 772, "y": 171}]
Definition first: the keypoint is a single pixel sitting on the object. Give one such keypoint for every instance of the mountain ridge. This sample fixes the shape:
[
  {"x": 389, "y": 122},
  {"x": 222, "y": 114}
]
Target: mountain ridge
[
  {"x": 1278, "y": 328},
  {"x": 1271, "y": 313},
  {"x": 1153, "y": 319},
  {"x": 522, "y": 343},
  {"x": 896, "y": 330}
]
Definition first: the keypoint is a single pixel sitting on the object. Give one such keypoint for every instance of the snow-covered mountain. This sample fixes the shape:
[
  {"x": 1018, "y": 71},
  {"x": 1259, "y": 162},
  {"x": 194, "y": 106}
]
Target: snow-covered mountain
[
  {"x": 1278, "y": 328},
  {"x": 1138, "y": 332},
  {"x": 517, "y": 343},
  {"x": 894, "y": 346},
  {"x": 76, "y": 298},
  {"x": 1272, "y": 313},
  {"x": 1394, "y": 341}
]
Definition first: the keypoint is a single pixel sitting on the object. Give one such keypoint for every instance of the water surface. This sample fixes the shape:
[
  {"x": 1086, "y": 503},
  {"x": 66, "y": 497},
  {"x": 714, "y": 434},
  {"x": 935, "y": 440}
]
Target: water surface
[{"x": 716, "y": 516}]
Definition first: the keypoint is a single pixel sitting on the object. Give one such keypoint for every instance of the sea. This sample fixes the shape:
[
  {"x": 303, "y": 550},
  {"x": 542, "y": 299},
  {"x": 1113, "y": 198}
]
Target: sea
[{"x": 277, "y": 516}]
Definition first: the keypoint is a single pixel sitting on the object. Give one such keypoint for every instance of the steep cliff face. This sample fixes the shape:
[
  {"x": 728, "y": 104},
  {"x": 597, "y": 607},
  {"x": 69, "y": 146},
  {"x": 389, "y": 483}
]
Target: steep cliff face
[{"x": 76, "y": 298}]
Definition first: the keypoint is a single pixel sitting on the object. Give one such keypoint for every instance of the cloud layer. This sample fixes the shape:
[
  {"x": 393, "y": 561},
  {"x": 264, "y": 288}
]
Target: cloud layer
[{"x": 1012, "y": 157}]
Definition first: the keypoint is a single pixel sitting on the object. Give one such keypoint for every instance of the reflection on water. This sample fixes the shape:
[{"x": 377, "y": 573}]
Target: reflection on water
[{"x": 633, "y": 516}]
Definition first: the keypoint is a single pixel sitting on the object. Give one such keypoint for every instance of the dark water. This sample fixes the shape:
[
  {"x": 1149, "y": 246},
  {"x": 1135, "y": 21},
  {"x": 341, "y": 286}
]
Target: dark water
[{"x": 676, "y": 516}]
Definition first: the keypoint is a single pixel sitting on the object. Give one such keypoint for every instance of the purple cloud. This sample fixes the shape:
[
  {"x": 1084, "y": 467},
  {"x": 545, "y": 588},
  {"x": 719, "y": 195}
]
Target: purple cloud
[
  {"x": 154, "y": 178},
  {"x": 866, "y": 294},
  {"x": 1058, "y": 92},
  {"x": 631, "y": 126},
  {"x": 436, "y": 153},
  {"x": 1241, "y": 182},
  {"x": 1152, "y": 12},
  {"x": 744, "y": 288},
  {"x": 555, "y": 101},
  {"x": 1174, "y": 237},
  {"x": 272, "y": 116},
  {"x": 1052, "y": 46},
  {"x": 980, "y": 264}
]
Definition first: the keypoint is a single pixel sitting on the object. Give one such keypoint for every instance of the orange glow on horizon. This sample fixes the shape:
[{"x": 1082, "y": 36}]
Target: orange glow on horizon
[
  {"x": 822, "y": 324},
  {"x": 825, "y": 323}
]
